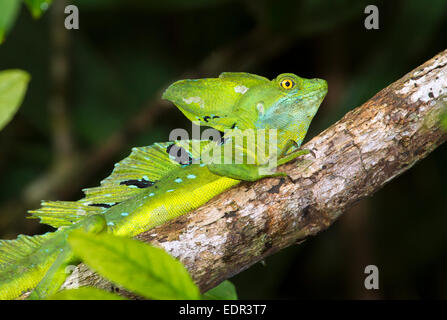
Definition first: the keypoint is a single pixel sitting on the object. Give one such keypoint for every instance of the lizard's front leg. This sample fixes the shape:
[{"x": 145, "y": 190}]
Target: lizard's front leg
[
  {"x": 254, "y": 172},
  {"x": 292, "y": 156},
  {"x": 244, "y": 172}
]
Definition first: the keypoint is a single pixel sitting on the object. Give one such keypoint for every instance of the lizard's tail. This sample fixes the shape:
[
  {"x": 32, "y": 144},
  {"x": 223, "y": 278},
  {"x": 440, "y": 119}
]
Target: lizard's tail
[{"x": 25, "y": 260}]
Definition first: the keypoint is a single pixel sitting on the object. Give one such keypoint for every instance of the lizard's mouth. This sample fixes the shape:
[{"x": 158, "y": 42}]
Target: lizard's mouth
[
  {"x": 321, "y": 88},
  {"x": 315, "y": 95}
]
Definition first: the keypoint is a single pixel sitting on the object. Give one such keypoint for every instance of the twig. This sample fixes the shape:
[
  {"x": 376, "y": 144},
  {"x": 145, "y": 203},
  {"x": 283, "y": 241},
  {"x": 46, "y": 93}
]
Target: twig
[{"x": 62, "y": 137}]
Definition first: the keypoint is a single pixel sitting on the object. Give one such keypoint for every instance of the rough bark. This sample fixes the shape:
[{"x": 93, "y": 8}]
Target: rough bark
[{"x": 351, "y": 160}]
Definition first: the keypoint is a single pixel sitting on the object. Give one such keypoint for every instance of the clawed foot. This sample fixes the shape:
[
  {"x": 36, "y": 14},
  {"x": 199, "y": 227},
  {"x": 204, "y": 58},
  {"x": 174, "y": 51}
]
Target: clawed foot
[{"x": 293, "y": 155}]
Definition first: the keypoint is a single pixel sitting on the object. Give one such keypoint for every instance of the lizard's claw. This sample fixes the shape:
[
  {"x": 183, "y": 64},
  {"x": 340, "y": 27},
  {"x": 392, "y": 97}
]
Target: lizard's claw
[
  {"x": 279, "y": 174},
  {"x": 292, "y": 156}
]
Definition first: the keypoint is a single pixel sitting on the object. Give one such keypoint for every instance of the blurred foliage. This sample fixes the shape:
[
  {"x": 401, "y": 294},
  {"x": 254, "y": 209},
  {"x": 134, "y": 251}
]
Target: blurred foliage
[
  {"x": 146, "y": 270},
  {"x": 85, "y": 293},
  {"x": 126, "y": 52},
  {"x": 10, "y": 8},
  {"x": 8, "y": 13},
  {"x": 444, "y": 116},
  {"x": 139, "y": 267},
  {"x": 37, "y": 7},
  {"x": 13, "y": 85},
  {"x": 224, "y": 291}
]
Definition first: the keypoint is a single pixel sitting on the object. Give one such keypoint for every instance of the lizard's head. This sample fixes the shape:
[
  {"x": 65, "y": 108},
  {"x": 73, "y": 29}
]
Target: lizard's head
[
  {"x": 293, "y": 107},
  {"x": 302, "y": 96}
]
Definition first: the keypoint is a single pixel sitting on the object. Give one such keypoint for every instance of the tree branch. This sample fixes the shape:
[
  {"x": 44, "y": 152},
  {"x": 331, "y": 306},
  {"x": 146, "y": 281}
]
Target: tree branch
[{"x": 354, "y": 158}]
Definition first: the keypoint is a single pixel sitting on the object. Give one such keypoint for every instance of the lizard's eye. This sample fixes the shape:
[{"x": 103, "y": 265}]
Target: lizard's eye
[{"x": 287, "y": 84}]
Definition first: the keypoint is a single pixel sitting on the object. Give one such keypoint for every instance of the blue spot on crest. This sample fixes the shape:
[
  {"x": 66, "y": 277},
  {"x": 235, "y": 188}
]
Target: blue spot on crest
[
  {"x": 178, "y": 180},
  {"x": 110, "y": 223},
  {"x": 170, "y": 190},
  {"x": 191, "y": 176},
  {"x": 124, "y": 214},
  {"x": 151, "y": 194}
]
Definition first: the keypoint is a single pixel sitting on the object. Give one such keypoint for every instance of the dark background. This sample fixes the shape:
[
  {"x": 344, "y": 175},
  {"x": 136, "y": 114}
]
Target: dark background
[{"x": 73, "y": 126}]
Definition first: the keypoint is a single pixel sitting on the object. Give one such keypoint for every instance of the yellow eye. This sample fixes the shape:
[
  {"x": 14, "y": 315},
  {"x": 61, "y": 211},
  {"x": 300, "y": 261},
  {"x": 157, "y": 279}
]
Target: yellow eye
[{"x": 287, "y": 84}]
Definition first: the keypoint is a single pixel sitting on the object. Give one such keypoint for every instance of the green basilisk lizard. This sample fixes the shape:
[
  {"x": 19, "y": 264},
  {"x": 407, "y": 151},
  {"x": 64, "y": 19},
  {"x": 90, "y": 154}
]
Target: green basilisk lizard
[{"x": 162, "y": 181}]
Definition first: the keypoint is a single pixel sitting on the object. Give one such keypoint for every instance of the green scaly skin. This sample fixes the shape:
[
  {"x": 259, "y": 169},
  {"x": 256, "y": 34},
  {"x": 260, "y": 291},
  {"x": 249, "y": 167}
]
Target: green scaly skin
[{"x": 152, "y": 186}]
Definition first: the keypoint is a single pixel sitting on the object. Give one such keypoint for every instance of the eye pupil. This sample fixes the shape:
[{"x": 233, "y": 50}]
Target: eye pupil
[{"x": 287, "y": 84}]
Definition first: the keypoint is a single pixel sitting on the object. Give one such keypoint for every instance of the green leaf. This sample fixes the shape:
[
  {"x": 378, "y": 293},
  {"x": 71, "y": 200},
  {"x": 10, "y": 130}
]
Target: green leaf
[
  {"x": 8, "y": 14},
  {"x": 85, "y": 293},
  {"x": 143, "y": 269},
  {"x": 224, "y": 291},
  {"x": 13, "y": 84},
  {"x": 444, "y": 121},
  {"x": 37, "y": 7}
]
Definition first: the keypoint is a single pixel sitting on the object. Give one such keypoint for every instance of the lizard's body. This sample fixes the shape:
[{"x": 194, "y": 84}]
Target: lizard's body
[
  {"x": 152, "y": 207},
  {"x": 170, "y": 199},
  {"x": 154, "y": 185}
]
